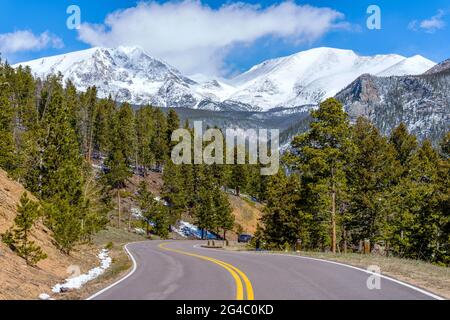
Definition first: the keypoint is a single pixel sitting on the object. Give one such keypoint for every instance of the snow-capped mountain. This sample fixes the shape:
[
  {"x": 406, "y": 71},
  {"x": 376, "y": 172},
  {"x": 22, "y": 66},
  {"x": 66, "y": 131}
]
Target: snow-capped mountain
[
  {"x": 306, "y": 78},
  {"x": 127, "y": 74},
  {"x": 311, "y": 76}
]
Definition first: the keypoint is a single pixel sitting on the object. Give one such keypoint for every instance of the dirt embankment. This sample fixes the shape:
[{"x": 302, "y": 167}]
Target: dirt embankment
[
  {"x": 17, "y": 279},
  {"x": 247, "y": 214}
]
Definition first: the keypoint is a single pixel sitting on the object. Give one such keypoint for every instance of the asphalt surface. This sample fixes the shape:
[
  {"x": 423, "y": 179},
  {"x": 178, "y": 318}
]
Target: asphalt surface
[{"x": 182, "y": 270}]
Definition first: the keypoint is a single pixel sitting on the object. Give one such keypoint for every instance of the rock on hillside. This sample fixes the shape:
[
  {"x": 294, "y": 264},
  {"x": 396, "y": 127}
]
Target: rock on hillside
[{"x": 422, "y": 102}]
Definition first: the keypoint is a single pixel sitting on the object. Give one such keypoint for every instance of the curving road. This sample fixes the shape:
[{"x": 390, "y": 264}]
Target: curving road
[{"x": 182, "y": 270}]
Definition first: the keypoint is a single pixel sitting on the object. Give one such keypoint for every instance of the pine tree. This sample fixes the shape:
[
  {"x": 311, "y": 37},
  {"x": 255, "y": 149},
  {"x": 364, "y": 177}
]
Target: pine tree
[
  {"x": 7, "y": 147},
  {"x": 372, "y": 174},
  {"x": 94, "y": 207},
  {"x": 204, "y": 207},
  {"x": 126, "y": 134},
  {"x": 173, "y": 192},
  {"x": 420, "y": 200},
  {"x": 321, "y": 156},
  {"x": 159, "y": 143},
  {"x": 239, "y": 174},
  {"x": 118, "y": 171},
  {"x": 404, "y": 143},
  {"x": 87, "y": 114},
  {"x": 7, "y": 116},
  {"x": 445, "y": 146},
  {"x": 442, "y": 250},
  {"x": 17, "y": 238},
  {"x": 58, "y": 168},
  {"x": 223, "y": 211},
  {"x": 283, "y": 221},
  {"x": 154, "y": 212},
  {"x": 103, "y": 126},
  {"x": 173, "y": 123},
  {"x": 145, "y": 132}
]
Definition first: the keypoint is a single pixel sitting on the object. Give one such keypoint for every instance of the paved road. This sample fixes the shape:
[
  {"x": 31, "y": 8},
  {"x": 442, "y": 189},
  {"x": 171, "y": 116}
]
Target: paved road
[{"x": 182, "y": 270}]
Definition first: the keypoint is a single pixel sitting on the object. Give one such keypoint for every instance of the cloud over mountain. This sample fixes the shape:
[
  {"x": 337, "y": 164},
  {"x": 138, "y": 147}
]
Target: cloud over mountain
[{"x": 195, "y": 37}]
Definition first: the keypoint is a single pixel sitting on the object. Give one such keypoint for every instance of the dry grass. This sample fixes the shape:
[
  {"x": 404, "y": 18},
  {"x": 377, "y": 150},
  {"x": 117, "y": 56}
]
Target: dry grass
[{"x": 17, "y": 279}]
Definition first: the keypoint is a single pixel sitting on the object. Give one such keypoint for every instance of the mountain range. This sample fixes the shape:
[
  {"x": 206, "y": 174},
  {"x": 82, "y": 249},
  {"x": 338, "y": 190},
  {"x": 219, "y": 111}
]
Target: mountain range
[
  {"x": 277, "y": 93},
  {"x": 129, "y": 74}
]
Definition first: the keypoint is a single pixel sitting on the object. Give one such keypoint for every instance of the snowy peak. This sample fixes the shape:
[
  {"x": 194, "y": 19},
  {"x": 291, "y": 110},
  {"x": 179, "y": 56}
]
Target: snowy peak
[
  {"x": 127, "y": 73},
  {"x": 305, "y": 78},
  {"x": 408, "y": 66},
  {"x": 310, "y": 76},
  {"x": 131, "y": 59}
]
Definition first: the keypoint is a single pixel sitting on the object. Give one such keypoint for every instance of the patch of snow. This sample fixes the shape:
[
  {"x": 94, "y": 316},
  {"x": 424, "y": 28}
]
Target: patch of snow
[
  {"x": 158, "y": 199},
  {"x": 44, "y": 296},
  {"x": 187, "y": 229},
  {"x": 78, "y": 281},
  {"x": 139, "y": 231},
  {"x": 137, "y": 213}
]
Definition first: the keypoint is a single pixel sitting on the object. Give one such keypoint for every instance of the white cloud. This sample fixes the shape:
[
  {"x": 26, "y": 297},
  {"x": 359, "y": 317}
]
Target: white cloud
[
  {"x": 24, "y": 40},
  {"x": 430, "y": 25},
  {"x": 196, "y": 38}
]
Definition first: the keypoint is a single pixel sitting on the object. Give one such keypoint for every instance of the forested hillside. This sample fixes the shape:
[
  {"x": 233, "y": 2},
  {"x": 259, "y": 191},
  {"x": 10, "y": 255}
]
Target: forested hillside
[
  {"x": 339, "y": 184},
  {"x": 75, "y": 152},
  {"x": 348, "y": 183}
]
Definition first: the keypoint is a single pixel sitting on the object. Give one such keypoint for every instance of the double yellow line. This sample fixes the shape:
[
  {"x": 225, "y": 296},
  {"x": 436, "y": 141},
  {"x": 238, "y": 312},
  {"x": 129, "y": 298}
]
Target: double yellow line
[{"x": 239, "y": 277}]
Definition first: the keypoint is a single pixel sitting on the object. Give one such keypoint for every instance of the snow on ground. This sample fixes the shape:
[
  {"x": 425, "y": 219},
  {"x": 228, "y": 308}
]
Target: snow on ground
[
  {"x": 137, "y": 213},
  {"x": 187, "y": 229},
  {"x": 78, "y": 281},
  {"x": 44, "y": 296}
]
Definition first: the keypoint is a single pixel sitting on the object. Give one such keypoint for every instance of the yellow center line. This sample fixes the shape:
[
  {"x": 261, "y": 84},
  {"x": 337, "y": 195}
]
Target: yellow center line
[{"x": 235, "y": 272}]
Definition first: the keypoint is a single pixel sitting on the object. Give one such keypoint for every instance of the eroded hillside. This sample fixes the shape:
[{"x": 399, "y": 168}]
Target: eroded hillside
[{"x": 17, "y": 279}]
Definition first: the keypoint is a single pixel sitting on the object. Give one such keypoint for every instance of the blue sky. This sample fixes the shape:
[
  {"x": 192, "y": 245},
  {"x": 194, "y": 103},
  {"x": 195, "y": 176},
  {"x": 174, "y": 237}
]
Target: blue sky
[{"x": 248, "y": 33}]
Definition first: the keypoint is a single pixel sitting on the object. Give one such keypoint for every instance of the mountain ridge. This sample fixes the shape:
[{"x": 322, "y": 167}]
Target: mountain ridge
[
  {"x": 129, "y": 74},
  {"x": 422, "y": 102}
]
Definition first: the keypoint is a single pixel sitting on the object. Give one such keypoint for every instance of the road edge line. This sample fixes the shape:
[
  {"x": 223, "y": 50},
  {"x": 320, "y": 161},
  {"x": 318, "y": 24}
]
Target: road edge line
[
  {"x": 410, "y": 286},
  {"x": 129, "y": 274}
]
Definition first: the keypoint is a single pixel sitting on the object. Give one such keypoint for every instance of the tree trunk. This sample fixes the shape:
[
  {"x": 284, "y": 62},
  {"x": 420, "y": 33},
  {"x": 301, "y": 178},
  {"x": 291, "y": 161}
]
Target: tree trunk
[
  {"x": 118, "y": 202},
  {"x": 345, "y": 241},
  {"x": 129, "y": 221},
  {"x": 91, "y": 138},
  {"x": 333, "y": 218},
  {"x": 387, "y": 248}
]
